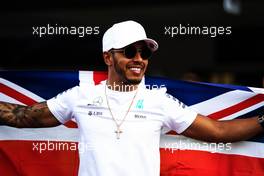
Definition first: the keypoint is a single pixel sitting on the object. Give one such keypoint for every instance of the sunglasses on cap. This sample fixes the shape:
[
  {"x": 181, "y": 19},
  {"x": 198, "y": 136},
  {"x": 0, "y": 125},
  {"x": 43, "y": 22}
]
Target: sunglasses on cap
[{"x": 131, "y": 51}]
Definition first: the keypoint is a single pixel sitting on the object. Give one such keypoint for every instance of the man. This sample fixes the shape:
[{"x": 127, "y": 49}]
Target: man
[{"x": 120, "y": 120}]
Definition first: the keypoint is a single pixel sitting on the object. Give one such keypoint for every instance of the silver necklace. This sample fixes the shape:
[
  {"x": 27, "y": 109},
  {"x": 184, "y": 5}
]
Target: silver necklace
[{"x": 118, "y": 131}]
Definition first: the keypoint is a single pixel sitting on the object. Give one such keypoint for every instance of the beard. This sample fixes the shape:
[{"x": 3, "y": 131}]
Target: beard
[{"x": 121, "y": 73}]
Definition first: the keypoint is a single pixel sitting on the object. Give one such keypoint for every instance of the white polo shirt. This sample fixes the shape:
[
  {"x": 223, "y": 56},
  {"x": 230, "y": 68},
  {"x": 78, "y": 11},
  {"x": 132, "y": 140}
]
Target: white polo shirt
[{"x": 136, "y": 153}]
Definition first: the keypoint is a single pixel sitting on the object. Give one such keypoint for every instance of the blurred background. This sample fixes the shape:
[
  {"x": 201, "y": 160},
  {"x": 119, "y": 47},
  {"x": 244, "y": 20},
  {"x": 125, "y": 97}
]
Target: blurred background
[{"x": 237, "y": 58}]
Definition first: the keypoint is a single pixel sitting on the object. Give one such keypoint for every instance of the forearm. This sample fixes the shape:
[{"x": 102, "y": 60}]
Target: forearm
[
  {"x": 239, "y": 129},
  {"x": 15, "y": 115},
  {"x": 206, "y": 129},
  {"x": 21, "y": 116}
]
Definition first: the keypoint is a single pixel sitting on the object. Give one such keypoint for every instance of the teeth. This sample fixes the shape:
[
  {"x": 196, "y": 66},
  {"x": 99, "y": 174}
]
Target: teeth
[{"x": 135, "y": 69}]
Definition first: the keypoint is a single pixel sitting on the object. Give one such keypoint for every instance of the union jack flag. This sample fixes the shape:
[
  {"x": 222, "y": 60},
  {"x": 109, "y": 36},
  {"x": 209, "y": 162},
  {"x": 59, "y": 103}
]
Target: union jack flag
[{"x": 20, "y": 148}]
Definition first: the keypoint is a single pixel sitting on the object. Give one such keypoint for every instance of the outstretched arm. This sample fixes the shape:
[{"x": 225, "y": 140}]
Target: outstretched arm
[
  {"x": 206, "y": 129},
  {"x": 37, "y": 115}
]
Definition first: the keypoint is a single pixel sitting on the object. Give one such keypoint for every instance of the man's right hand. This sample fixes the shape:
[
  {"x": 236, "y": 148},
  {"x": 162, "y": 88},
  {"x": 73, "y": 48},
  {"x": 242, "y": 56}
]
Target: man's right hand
[{"x": 35, "y": 116}]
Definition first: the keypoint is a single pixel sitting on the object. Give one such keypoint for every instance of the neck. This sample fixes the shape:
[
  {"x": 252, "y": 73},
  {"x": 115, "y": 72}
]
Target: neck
[{"x": 121, "y": 86}]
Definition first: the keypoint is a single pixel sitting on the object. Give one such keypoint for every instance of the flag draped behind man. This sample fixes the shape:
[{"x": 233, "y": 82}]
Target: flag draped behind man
[{"x": 54, "y": 151}]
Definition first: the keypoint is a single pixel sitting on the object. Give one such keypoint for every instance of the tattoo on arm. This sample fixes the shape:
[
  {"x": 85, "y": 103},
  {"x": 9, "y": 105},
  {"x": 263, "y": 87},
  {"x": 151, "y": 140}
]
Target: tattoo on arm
[{"x": 20, "y": 116}]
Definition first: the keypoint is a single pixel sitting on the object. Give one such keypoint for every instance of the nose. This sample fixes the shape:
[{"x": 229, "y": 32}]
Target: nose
[{"x": 137, "y": 57}]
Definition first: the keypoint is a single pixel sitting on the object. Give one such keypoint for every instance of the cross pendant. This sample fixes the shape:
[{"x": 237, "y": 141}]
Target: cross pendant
[{"x": 118, "y": 132}]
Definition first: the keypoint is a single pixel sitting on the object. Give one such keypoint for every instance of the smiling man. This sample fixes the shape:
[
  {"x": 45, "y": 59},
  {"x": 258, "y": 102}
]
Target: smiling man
[
  {"x": 126, "y": 54},
  {"x": 120, "y": 120},
  {"x": 128, "y": 72}
]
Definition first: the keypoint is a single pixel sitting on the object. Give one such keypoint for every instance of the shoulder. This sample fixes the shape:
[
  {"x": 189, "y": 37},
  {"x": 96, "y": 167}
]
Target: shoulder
[
  {"x": 164, "y": 97},
  {"x": 88, "y": 90},
  {"x": 159, "y": 94},
  {"x": 154, "y": 93},
  {"x": 82, "y": 90}
]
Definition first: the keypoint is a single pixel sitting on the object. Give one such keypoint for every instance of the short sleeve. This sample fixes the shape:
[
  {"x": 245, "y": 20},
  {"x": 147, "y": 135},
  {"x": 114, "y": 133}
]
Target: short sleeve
[
  {"x": 178, "y": 116},
  {"x": 62, "y": 105}
]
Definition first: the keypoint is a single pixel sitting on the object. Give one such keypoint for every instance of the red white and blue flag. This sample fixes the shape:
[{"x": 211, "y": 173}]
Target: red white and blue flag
[{"x": 20, "y": 149}]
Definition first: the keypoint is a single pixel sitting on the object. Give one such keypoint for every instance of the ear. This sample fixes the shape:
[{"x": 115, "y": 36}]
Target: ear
[{"x": 108, "y": 59}]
